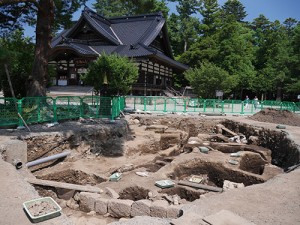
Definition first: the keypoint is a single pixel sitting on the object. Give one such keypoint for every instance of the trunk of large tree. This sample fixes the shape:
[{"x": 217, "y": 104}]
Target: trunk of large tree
[
  {"x": 45, "y": 17},
  {"x": 279, "y": 93},
  {"x": 185, "y": 46}
]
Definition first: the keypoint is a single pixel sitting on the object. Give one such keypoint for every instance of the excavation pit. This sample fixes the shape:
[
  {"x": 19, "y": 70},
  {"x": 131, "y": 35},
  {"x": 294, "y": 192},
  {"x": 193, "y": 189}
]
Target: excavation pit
[
  {"x": 92, "y": 149},
  {"x": 134, "y": 193},
  {"x": 216, "y": 173},
  {"x": 189, "y": 194},
  {"x": 252, "y": 163}
]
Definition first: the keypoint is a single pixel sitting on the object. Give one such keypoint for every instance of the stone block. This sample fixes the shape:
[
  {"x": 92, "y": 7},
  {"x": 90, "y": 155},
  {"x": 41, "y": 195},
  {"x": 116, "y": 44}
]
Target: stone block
[
  {"x": 87, "y": 201},
  {"x": 111, "y": 193},
  {"x": 174, "y": 211},
  {"x": 141, "y": 208},
  {"x": 226, "y": 217},
  {"x": 193, "y": 142},
  {"x": 119, "y": 208},
  {"x": 159, "y": 209},
  {"x": 101, "y": 206}
]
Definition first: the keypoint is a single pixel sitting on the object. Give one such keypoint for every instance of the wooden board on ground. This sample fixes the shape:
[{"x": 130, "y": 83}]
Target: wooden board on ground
[
  {"x": 229, "y": 131},
  {"x": 200, "y": 186},
  {"x": 228, "y": 144},
  {"x": 56, "y": 184}
]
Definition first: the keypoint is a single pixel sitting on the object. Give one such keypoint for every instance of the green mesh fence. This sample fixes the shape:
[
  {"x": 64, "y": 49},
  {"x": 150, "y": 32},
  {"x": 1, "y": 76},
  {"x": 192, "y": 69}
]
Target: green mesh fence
[
  {"x": 36, "y": 110},
  {"x": 47, "y": 109},
  {"x": 8, "y": 111},
  {"x": 197, "y": 105},
  {"x": 68, "y": 107},
  {"x": 297, "y": 107}
]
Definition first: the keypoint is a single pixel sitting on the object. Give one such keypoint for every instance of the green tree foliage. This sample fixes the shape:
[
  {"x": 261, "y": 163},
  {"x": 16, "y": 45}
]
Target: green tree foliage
[
  {"x": 273, "y": 57},
  {"x": 293, "y": 86},
  {"x": 184, "y": 27},
  {"x": 235, "y": 10},
  {"x": 183, "y": 32},
  {"x": 206, "y": 48},
  {"x": 236, "y": 54},
  {"x": 211, "y": 21},
  {"x": 262, "y": 58},
  {"x": 48, "y": 15},
  {"x": 111, "y": 8},
  {"x": 17, "y": 53},
  {"x": 208, "y": 78},
  {"x": 112, "y": 74}
]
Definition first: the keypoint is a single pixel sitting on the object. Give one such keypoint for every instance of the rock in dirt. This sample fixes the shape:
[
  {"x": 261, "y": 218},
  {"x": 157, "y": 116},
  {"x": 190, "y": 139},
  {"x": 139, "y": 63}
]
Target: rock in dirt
[{"x": 231, "y": 185}]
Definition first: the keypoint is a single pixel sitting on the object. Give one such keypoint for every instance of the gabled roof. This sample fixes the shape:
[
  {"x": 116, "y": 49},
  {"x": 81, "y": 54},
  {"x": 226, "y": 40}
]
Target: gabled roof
[{"x": 128, "y": 36}]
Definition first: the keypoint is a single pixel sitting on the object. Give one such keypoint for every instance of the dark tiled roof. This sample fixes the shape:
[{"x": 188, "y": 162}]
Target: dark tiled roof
[
  {"x": 108, "y": 49},
  {"x": 81, "y": 49},
  {"x": 126, "y": 36},
  {"x": 131, "y": 32}
]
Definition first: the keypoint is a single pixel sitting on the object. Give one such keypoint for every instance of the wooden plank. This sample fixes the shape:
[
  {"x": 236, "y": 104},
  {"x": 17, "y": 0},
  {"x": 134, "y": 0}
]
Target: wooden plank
[
  {"x": 200, "y": 186},
  {"x": 229, "y": 131},
  {"x": 56, "y": 184},
  {"x": 227, "y": 144}
]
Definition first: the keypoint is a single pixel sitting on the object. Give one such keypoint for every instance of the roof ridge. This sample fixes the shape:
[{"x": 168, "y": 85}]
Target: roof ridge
[
  {"x": 104, "y": 32},
  {"x": 98, "y": 16},
  {"x": 137, "y": 16}
]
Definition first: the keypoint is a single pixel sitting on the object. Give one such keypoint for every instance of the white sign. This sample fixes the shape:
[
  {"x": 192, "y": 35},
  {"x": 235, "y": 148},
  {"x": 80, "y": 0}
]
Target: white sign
[
  {"x": 219, "y": 93},
  {"x": 298, "y": 97}
]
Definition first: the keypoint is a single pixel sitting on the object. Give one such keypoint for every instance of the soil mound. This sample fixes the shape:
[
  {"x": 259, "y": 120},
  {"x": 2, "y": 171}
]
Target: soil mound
[{"x": 277, "y": 116}]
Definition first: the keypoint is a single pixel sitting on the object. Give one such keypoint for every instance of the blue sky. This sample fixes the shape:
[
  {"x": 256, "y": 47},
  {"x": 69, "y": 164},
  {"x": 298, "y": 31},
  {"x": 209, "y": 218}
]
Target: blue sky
[{"x": 272, "y": 9}]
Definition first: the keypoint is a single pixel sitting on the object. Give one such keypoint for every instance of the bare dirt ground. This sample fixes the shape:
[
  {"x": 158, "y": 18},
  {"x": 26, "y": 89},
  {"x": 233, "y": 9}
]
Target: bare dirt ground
[
  {"x": 102, "y": 147},
  {"x": 279, "y": 117}
]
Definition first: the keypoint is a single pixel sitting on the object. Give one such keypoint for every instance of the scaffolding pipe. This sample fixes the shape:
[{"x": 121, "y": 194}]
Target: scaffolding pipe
[{"x": 47, "y": 159}]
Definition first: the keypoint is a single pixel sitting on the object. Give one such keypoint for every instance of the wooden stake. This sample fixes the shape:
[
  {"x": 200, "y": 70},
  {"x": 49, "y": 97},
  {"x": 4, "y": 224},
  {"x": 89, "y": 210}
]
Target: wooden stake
[
  {"x": 56, "y": 184},
  {"x": 13, "y": 94}
]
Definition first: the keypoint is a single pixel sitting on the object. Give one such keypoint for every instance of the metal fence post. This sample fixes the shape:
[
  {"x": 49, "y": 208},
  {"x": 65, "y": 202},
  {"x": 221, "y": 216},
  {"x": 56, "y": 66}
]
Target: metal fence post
[
  {"x": 54, "y": 111},
  {"x": 68, "y": 106},
  {"x": 222, "y": 107},
  {"x": 204, "y": 105},
  {"x": 113, "y": 108},
  {"x": 242, "y": 111},
  {"x": 19, "y": 103},
  {"x": 294, "y": 106},
  {"x": 81, "y": 107},
  {"x": 165, "y": 105},
  {"x": 145, "y": 103},
  {"x": 39, "y": 109},
  {"x": 134, "y": 98}
]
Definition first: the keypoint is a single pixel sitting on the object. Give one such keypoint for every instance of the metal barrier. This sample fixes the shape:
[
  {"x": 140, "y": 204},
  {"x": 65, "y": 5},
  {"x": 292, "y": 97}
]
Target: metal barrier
[
  {"x": 197, "y": 105},
  {"x": 47, "y": 109}
]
